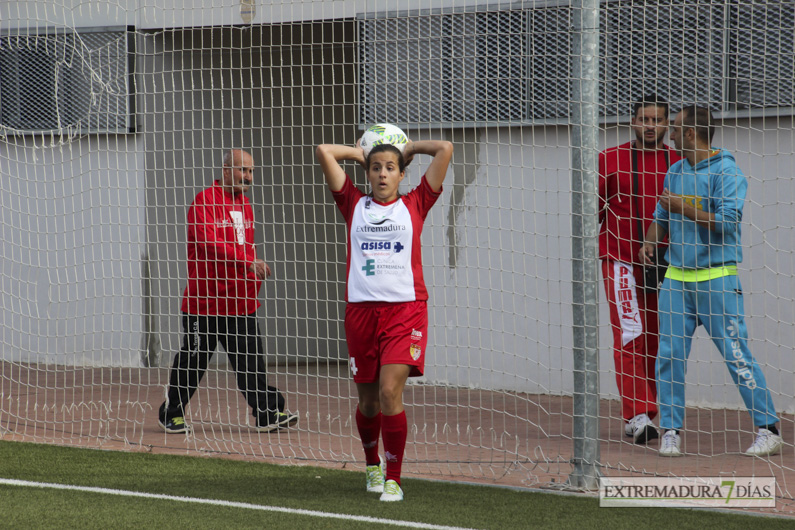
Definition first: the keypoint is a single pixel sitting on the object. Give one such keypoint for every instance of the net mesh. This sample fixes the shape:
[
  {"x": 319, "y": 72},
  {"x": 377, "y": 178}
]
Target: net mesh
[{"x": 114, "y": 116}]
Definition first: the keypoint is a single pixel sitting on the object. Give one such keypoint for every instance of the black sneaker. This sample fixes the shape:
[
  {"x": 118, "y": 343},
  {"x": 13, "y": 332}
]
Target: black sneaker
[
  {"x": 275, "y": 421},
  {"x": 175, "y": 425}
]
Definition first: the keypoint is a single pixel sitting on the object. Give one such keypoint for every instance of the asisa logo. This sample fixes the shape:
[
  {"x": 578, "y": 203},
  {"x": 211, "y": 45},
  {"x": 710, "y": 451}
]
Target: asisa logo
[
  {"x": 377, "y": 245},
  {"x": 381, "y": 245}
]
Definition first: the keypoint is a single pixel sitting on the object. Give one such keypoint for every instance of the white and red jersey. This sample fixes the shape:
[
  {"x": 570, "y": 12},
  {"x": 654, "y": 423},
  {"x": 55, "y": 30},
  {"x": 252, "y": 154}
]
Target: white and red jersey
[
  {"x": 220, "y": 251},
  {"x": 384, "y": 261}
]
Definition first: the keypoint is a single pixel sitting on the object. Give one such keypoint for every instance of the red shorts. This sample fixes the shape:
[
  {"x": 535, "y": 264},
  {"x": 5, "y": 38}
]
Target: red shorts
[{"x": 386, "y": 333}]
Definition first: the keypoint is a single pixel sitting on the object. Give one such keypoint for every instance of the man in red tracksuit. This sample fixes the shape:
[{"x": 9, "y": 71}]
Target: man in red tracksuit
[
  {"x": 630, "y": 180},
  {"x": 220, "y": 301}
]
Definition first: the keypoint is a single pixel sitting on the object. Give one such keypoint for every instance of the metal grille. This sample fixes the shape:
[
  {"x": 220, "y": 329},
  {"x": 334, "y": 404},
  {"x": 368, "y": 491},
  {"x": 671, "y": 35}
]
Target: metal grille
[
  {"x": 762, "y": 49},
  {"x": 550, "y": 62},
  {"x": 486, "y": 67},
  {"x": 403, "y": 69},
  {"x": 463, "y": 67},
  {"x": 66, "y": 81},
  {"x": 673, "y": 48},
  {"x": 491, "y": 45}
]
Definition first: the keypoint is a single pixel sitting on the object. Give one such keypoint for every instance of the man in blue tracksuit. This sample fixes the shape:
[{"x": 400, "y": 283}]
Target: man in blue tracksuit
[{"x": 701, "y": 209}]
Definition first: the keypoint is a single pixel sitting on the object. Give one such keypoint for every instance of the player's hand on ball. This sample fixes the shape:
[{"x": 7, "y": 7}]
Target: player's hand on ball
[
  {"x": 408, "y": 152},
  {"x": 360, "y": 156}
]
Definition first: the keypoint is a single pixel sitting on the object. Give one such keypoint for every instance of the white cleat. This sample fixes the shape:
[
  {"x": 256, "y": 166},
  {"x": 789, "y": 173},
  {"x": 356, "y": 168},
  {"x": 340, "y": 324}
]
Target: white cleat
[
  {"x": 375, "y": 477},
  {"x": 392, "y": 492}
]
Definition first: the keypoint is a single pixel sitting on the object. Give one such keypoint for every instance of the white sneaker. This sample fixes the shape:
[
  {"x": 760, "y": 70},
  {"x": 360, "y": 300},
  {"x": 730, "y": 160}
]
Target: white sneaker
[
  {"x": 375, "y": 477},
  {"x": 392, "y": 492},
  {"x": 670, "y": 444},
  {"x": 629, "y": 425},
  {"x": 641, "y": 429},
  {"x": 766, "y": 444}
]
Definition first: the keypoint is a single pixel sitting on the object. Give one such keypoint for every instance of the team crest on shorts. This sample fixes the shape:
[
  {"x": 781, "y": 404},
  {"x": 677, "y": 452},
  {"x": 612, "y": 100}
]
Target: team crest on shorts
[{"x": 414, "y": 349}]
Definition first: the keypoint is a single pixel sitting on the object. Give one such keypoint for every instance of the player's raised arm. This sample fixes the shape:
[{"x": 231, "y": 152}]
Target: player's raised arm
[
  {"x": 440, "y": 150},
  {"x": 330, "y": 156}
]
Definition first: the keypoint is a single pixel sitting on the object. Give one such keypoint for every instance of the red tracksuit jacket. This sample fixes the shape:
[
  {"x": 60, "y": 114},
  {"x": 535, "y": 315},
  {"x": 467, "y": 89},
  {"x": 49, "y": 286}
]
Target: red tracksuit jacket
[
  {"x": 618, "y": 237},
  {"x": 220, "y": 251}
]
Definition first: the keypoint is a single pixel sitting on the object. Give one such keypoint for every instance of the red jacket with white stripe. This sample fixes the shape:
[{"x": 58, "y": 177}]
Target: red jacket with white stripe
[
  {"x": 220, "y": 251},
  {"x": 618, "y": 235}
]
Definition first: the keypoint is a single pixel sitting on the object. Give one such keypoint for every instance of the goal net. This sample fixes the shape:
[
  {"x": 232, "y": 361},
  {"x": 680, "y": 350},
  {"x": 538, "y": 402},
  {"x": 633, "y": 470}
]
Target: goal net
[{"x": 114, "y": 115}]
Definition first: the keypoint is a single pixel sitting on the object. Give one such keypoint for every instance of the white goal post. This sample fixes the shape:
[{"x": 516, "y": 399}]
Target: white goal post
[{"x": 113, "y": 115}]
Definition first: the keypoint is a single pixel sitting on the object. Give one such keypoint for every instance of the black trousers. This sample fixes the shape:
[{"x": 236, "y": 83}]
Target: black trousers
[{"x": 240, "y": 337}]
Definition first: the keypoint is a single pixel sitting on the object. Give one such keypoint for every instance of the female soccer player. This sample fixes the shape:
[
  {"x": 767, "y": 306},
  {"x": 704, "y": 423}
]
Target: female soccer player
[{"x": 386, "y": 317}]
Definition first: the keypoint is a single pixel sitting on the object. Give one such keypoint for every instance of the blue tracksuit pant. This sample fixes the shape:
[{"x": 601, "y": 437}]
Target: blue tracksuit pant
[{"x": 717, "y": 305}]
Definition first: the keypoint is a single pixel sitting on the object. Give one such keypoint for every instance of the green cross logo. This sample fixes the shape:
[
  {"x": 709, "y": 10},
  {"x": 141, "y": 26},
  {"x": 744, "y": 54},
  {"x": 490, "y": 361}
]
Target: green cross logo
[{"x": 369, "y": 267}]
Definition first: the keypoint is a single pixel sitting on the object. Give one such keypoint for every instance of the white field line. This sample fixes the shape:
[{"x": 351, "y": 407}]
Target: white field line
[{"x": 311, "y": 513}]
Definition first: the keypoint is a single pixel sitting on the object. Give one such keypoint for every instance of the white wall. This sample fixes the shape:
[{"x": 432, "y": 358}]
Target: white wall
[
  {"x": 502, "y": 318},
  {"x": 497, "y": 247},
  {"x": 197, "y": 13},
  {"x": 497, "y": 261},
  {"x": 73, "y": 233}
]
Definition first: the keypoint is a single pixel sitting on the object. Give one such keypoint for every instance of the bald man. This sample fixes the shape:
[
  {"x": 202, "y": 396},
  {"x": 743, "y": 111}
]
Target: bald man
[{"x": 220, "y": 301}]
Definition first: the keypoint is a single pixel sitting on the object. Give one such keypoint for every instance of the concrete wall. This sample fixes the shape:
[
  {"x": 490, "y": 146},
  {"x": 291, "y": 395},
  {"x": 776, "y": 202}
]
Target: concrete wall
[
  {"x": 145, "y": 14},
  {"x": 73, "y": 233},
  {"x": 94, "y": 236},
  {"x": 500, "y": 290}
]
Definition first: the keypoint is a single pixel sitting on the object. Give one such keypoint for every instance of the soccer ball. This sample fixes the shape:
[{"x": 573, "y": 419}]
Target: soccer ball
[{"x": 383, "y": 133}]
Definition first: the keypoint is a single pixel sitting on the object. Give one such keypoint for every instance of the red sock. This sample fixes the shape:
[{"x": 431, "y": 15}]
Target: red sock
[
  {"x": 369, "y": 431},
  {"x": 394, "y": 430}
]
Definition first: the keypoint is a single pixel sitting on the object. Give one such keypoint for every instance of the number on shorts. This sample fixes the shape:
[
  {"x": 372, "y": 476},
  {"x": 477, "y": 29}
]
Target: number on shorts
[{"x": 354, "y": 370}]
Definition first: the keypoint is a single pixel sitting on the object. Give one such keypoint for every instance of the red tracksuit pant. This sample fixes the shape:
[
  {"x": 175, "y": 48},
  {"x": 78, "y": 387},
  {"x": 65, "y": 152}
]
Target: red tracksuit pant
[{"x": 633, "y": 320}]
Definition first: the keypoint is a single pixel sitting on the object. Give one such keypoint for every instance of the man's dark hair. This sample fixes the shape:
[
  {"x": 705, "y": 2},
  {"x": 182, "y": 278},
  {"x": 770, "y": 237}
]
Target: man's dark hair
[
  {"x": 650, "y": 100},
  {"x": 701, "y": 119}
]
